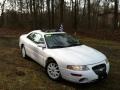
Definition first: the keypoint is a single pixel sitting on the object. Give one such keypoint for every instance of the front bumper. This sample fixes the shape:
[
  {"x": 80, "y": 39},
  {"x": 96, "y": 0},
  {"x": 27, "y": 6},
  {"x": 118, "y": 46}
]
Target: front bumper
[{"x": 84, "y": 76}]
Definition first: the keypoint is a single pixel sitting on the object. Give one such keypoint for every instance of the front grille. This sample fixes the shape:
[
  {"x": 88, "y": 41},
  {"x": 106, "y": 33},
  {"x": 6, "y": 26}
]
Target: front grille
[{"x": 100, "y": 69}]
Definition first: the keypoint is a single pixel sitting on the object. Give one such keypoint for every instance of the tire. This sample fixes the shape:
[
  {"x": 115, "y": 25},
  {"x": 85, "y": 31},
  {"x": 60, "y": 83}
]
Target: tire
[
  {"x": 23, "y": 51},
  {"x": 53, "y": 71}
]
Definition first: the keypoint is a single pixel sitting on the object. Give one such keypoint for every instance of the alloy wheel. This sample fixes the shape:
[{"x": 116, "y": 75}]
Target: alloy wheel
[{"x": 53, "y": 71}]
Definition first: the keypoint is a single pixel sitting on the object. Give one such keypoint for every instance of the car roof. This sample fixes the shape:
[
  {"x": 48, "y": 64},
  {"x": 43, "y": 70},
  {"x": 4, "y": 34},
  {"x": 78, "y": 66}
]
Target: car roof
[{"x": 46, "y": 32}]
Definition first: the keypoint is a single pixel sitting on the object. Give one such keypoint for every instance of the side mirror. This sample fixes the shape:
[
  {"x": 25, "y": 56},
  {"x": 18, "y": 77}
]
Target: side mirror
[{"x": 42, "y": 45}]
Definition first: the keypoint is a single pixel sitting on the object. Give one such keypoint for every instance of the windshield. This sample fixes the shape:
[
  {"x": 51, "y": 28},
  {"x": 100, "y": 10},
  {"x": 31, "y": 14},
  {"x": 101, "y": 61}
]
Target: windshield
[{"x": 60, "y": 40}]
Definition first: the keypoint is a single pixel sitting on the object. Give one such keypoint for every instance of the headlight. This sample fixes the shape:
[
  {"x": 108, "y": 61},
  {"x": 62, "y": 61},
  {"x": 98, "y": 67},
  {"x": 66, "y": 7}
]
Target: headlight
[
  {"x": 77, "y": 67},
  {"x": 106, "y": 60}
]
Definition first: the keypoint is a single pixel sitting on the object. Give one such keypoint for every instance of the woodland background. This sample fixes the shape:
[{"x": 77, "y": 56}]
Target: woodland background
[{"x": 96, "y": 18}]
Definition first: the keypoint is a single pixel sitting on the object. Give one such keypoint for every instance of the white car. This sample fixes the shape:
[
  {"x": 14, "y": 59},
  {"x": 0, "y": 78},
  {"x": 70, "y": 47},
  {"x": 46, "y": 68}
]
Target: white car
[{"x": 64, "y": 56}]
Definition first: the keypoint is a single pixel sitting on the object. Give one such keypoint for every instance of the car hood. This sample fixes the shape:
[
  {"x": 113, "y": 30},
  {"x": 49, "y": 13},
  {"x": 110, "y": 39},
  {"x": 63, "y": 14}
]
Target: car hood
[{"x": 77, "y": 55}]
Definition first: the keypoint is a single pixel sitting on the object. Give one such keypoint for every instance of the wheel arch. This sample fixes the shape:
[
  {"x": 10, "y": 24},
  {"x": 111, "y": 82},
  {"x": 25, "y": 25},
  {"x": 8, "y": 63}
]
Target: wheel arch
[
  {"x": 49, "y": 59},
  {"x": 22, "y": 45}
]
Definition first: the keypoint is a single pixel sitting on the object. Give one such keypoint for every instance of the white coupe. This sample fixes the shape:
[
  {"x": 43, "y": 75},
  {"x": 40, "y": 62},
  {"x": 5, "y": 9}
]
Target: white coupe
[{"x": 64, "y": 56}]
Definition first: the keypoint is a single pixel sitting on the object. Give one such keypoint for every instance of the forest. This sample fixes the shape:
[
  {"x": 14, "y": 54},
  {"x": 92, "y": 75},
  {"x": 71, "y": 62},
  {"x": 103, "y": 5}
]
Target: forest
[{"x": 73, "y": 14}]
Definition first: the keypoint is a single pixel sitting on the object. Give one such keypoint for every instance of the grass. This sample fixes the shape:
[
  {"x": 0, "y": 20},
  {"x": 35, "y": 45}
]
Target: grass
[{"x": 17, "y": 73}]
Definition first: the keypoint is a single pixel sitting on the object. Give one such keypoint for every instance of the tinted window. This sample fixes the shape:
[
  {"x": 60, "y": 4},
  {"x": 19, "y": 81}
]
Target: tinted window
[
  {"x": 30, "y": 36},
  {"x": 61, "y": 41}
]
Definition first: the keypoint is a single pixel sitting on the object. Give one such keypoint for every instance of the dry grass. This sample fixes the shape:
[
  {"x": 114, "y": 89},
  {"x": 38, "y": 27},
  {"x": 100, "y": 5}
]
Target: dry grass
[{"x": 17, "y": 73}]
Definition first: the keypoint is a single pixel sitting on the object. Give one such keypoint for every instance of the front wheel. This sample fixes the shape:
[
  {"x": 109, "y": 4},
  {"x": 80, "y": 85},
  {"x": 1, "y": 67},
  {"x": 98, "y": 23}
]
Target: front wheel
[{"x": 53, "y": 71}]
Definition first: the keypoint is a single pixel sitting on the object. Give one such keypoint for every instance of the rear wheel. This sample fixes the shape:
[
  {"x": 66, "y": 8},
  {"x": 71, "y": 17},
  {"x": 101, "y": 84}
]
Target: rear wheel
[
  {"x": 53, "y": 70},
  {"x": 23, "y": 52}
]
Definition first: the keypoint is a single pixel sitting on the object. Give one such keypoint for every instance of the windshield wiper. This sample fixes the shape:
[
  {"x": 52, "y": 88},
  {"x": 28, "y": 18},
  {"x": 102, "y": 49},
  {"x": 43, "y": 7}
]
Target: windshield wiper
[
  {"x": 57, "y": 46},
  {"x": 74, "y": 44}
]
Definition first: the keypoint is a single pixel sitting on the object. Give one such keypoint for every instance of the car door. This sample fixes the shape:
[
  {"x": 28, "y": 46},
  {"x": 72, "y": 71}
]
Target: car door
[
  {"x": 36, "y": 52},
  {"x": 29, "y": 45}
]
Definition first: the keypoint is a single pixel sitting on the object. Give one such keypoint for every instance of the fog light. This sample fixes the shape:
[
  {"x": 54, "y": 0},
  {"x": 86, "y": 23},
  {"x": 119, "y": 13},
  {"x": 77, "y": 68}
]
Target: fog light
[{"x": 79, "y": 75}]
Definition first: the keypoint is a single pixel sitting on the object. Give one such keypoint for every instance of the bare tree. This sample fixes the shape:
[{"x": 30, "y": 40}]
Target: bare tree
[
  {"x": 89, "y": 16},
  {"x": 116, "y": 14},
  {"x": 48, "y": 9},
  {"x": 75, "y": 15},
  {"x": 84, "y": 11},
  {"x": 52, "y": 4},
  {"x": 61, "y": 10},
  {"x": 21, "y": 5},
  {"x": 2, "y": 12},
  {"x": 31, "y": 8}
]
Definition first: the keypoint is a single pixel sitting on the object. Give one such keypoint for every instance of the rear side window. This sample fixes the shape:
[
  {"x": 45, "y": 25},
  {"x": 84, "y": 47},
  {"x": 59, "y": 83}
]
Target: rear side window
[
  {"x": 30, "y": 36},
  {"x": 36, "y": 38}
]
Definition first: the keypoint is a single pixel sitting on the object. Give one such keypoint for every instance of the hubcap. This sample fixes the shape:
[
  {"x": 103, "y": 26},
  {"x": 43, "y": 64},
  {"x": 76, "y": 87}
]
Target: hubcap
[{"x": 53, "y": 70}]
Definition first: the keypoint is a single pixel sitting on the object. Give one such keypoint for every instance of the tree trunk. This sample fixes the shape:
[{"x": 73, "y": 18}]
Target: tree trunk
[
  {"x": 61, "y": 10},
  {"x": 49, "y": 19},
  {"x": 116, "y": 14},
  {"x": 75, "y": 15},
  {"x": 2, "y": 13},
  {"x": 34, "y": 15},
  {"x": 89, "y": 17},
  {"x": 52, "y": 4},
  {"x": 72, "y": 13},
  {"x": 31, "y": 7},
  {"x": 21, "y": 5}
]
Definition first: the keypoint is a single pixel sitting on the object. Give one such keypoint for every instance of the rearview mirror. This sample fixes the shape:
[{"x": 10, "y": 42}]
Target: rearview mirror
[{"x": 42, "y": 45}]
